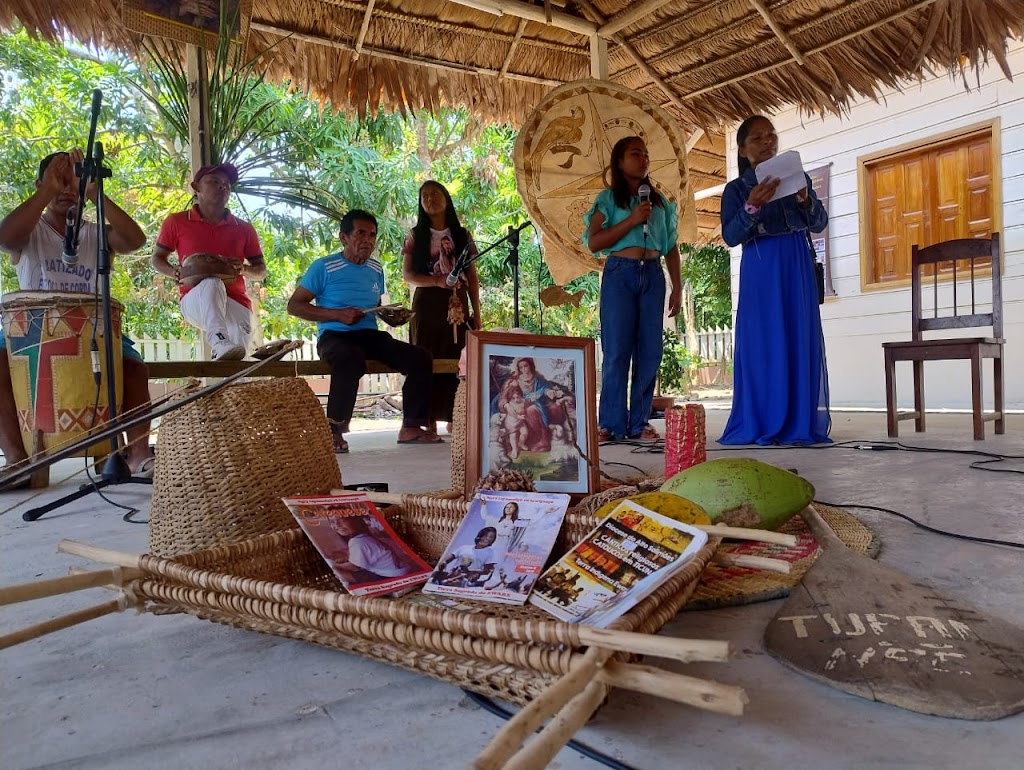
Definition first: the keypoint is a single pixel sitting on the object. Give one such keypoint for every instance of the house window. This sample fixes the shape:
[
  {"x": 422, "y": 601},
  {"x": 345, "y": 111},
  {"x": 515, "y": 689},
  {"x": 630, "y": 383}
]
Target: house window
[{"x": 931, "y": 192}]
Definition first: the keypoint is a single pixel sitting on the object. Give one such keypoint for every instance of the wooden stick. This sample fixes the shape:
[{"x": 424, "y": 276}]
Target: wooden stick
[
  {"x": 683, "y": 650},
  {"x": 752, "y": 562},
  {"x": 101, "y": 555},
  {"x": 742, "y": 533},
  {"x": 539, "y": 752},
  {"x": 64, "y": 621},
  {"x": 25, "y": 592},
  {"x": 517, "y": 729},
  {"x": 702, "y": 693}
]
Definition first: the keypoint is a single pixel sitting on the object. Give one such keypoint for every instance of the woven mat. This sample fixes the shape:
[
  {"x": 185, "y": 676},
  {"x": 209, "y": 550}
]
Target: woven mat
[{"x": 723, "y": 586}]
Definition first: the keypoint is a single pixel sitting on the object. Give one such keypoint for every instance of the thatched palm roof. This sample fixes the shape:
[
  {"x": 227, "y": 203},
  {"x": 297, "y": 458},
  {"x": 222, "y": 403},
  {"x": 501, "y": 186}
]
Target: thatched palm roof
[{"x": 705, "y": 61}]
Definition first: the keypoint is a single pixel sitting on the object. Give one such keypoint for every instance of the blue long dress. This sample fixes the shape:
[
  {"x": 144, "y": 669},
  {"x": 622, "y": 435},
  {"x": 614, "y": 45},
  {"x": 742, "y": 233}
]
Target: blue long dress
[{"x": 780, "y": 391}]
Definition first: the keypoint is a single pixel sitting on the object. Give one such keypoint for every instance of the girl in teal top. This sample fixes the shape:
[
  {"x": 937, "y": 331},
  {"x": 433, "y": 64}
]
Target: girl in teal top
[{"x": 634, "y": 234}]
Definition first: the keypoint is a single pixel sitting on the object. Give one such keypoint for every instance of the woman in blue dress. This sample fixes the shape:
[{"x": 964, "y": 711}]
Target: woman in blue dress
[
  {"x": 780, "y": 393},
  {"x": 634, "y": 232}
]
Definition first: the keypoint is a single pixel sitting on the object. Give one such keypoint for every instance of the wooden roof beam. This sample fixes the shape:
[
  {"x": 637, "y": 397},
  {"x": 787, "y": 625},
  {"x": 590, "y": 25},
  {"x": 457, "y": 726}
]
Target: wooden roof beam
[
  {"x": 512, "y": 49},
  {"x": 535, "y": 13},
  {"x": 630, "y": 15},
  {"x": 420, "y": 61},
  {"x": 780, "y": 33},
  {"x": 653, "y": 76},
  {"x": 365, "y": 26},
  {"x": 824, "y": 47}
]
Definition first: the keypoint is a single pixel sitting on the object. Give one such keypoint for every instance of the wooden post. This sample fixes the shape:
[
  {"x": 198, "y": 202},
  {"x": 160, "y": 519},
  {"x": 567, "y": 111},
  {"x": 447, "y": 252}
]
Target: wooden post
[
  {"x": 198, "y": 107},
  {"x": 598, "y": 57}
]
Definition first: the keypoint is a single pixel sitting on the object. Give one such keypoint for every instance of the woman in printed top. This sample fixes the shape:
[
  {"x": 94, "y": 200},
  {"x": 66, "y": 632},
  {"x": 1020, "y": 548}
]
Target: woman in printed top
[
  {"x": 780, "y": 392},
  {"x": 429, "y": 256},
  {"x": 635, "y": 233}
]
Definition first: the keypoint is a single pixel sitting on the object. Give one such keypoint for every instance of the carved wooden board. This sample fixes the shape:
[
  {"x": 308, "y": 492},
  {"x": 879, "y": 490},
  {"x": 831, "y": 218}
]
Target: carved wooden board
[{"x": 872, "y": 631}]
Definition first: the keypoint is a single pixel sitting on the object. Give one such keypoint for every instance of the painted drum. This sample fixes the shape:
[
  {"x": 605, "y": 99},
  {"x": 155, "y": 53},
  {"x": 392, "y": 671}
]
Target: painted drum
[{"x": 49, "y": 338}]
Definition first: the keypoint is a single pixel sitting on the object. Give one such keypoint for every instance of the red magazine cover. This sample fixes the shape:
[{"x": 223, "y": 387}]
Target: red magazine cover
[{"x": 360, "y": 546}]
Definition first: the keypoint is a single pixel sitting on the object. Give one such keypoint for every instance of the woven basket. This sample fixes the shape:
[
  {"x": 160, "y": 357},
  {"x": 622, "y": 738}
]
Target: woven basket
[
  {"x": 458, "y": 439},
  {"x": 279, "y": 584},
  {"x": 226, "y": 461}
]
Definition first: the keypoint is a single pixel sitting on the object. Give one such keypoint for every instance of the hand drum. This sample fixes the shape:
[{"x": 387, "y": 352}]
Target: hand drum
[{"x": 198, "y": 267}]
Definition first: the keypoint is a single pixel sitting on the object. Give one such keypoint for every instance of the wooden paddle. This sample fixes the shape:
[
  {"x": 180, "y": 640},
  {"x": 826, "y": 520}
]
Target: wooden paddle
[{"x": 874, "y": 632}]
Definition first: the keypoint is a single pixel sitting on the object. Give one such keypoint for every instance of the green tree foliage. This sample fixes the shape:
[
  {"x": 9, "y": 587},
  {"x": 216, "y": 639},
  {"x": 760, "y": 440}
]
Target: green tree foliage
[
  {"x": 285, "y": 142},
  {"x": 706, "y": 270}
]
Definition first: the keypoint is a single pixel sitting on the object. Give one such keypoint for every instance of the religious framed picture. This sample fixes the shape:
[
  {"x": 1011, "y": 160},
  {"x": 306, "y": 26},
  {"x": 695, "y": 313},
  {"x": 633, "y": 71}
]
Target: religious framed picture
[
  {"x": 531, "y": 406},
  {"x": 198, "y": 22}
]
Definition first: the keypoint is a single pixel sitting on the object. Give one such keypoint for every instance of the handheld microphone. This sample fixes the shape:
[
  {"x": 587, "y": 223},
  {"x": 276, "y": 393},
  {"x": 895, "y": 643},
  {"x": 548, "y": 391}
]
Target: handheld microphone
[
  {"x": 644, "y": 191},
  {"x": 70, "y": 255}
]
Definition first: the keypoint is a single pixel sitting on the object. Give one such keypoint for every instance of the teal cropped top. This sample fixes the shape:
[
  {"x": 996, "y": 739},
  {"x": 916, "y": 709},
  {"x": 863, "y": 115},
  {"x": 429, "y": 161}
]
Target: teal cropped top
[{"x": 662, "y": 228}]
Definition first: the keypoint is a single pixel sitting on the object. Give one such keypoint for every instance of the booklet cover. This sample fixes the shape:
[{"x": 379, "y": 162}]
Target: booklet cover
[
  {"x": 500, "y": 547},
  {"x": 621, "y": 561},
  {"x": 358, "y": 543}
]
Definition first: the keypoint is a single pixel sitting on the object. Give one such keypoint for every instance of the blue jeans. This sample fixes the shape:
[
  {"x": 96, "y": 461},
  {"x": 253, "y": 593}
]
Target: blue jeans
[{"x": 632, "y": 308}]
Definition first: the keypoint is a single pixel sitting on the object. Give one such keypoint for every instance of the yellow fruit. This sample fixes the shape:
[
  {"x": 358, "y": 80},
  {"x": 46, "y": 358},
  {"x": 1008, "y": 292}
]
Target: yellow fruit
[{"x": 665, "y": 503}]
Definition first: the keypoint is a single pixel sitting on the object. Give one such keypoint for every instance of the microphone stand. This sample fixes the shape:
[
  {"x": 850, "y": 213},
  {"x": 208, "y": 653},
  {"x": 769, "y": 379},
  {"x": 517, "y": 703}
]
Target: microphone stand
[
  {"x": 115, "y": 467},
  {"x": 512, "y": 239}
]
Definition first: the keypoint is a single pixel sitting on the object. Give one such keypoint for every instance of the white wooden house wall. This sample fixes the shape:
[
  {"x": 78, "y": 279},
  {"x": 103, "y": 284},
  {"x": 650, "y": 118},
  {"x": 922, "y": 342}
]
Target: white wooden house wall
[{"x": 856, "y": 322}]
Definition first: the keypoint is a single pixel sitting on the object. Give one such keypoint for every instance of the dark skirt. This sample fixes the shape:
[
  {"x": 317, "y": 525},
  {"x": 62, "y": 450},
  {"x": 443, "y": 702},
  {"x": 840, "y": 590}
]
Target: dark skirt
[{"x": 430, "y": 329}]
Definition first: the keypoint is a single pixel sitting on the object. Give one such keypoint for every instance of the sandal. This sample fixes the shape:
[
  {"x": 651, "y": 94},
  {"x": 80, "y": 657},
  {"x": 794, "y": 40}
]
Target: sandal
[
  {"x": 340, "y": 444},
  {"x": 422, "y": 437},
  {"x": 605, "y": 436},
  {"x": 647, "y": 434}
]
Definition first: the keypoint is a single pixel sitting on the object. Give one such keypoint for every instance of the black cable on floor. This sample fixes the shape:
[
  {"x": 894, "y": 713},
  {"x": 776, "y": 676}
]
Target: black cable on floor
[
  {"x": 491, "y": 707},
  {"x": 927, "y": 528}
]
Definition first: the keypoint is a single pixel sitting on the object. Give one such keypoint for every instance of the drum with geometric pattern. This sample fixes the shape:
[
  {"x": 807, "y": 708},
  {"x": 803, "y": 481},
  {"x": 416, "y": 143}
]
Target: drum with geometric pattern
[{"x": 49, "y": 347}]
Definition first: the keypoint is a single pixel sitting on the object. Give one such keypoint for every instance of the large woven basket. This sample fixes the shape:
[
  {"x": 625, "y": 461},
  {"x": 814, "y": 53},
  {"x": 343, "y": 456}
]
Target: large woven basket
[
  {"x": 279, "y": 584},
  {"x": 226, "y": 461}
]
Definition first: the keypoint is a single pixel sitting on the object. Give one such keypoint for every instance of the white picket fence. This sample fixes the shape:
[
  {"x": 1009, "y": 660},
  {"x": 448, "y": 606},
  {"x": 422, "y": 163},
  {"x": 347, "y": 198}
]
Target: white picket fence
[
  {"x": 715, "y": 346},
  {"x": 185, "y": 350}
]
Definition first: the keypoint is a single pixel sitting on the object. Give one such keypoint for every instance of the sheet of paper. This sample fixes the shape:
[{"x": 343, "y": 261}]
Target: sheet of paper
[{"x": 788, "y": 168}]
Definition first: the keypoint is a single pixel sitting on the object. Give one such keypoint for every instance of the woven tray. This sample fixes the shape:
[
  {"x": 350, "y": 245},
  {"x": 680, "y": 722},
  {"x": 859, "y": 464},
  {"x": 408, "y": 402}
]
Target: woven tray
[
  {"x": 729, "y": 586},
  {"x": 279, "y": 584}
]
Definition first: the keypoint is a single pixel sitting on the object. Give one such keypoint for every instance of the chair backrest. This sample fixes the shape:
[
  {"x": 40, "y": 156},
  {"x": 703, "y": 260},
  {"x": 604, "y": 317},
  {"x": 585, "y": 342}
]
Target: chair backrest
[{"x": 983, "y": 258}]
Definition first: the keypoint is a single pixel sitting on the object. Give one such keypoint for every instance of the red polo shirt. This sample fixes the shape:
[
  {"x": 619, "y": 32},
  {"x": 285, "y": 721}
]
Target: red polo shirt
[{"x": 187, "y": 233}]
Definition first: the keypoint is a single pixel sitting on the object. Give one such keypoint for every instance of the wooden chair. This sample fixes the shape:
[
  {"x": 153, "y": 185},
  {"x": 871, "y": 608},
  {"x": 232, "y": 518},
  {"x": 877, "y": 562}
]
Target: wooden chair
[{"x": 981, "y": 254}]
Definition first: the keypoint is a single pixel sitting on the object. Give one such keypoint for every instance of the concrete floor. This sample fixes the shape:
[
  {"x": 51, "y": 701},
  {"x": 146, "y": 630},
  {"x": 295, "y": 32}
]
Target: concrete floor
[{"x": 142, "y": 691}]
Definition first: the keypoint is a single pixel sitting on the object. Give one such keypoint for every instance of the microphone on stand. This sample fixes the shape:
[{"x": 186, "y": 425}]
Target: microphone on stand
[
  {"x": 644, "y": 191},
  {"x": 457, "y": 268},
  {"x": 70, "y": 255},
  {"x": 97, "y": 102}
]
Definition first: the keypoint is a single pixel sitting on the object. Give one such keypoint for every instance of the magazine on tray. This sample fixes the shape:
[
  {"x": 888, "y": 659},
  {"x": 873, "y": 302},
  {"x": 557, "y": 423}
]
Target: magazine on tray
[
  {"x": 500, "y": 547},
  {"x": 359, "y": 545},
  {"x": 626, "y": 557}
]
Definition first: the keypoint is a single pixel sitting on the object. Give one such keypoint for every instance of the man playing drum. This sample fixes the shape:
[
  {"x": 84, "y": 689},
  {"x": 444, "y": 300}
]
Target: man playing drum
[
  {"x": 218, "y": 304},
  {"x": 33, "y": 235}
]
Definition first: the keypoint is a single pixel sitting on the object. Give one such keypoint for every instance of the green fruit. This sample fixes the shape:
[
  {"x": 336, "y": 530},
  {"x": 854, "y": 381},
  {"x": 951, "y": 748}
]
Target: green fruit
[{"x": 743, "y": 492}]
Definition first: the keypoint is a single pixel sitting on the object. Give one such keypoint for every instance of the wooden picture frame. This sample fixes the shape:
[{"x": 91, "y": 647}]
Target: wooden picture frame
[{"x": 536, "y": 421}]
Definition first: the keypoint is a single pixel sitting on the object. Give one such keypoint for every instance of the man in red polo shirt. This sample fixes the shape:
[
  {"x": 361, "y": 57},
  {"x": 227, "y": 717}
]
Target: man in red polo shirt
[{"x": 222, "y": 311}]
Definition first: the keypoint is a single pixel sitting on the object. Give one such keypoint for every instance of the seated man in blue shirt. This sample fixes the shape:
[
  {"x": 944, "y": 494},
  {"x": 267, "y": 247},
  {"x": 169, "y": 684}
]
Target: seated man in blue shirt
[{"x": 342, "y": 286}]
